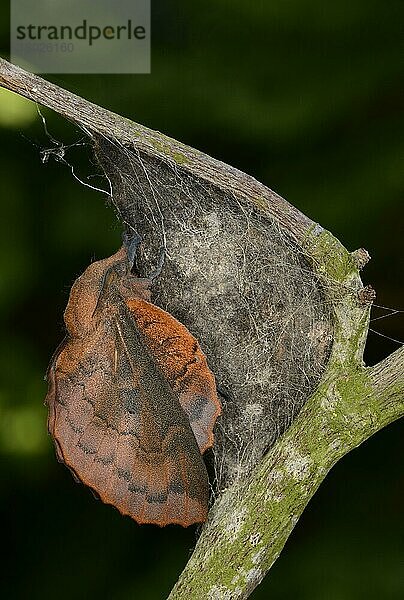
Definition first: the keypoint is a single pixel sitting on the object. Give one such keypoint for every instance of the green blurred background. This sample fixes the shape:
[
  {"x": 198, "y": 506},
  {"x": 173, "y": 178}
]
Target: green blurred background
[{"x": 307, "y": 96}]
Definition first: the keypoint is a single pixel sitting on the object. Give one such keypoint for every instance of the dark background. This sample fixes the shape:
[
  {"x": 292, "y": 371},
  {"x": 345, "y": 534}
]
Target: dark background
[{"x": 307, "y": 96}]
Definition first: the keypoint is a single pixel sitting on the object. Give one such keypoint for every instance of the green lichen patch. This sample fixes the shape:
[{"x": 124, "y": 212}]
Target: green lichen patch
[
  {"x": 329, "y": 256},
  {"x": 166, "y": 148}
]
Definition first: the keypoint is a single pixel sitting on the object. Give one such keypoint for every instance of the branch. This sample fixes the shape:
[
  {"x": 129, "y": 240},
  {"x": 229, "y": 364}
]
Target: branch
[
  {"x": 387, "y": 381},
  {"x": 96, "y": 119},
  {"x": 289, "y": 288},
  {"x": 250, "y": 523}
]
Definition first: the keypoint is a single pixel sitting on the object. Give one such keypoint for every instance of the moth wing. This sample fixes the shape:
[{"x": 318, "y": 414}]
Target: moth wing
[
  {"x": 147, "y": 466},
  {"x": 181, "y": 360}
]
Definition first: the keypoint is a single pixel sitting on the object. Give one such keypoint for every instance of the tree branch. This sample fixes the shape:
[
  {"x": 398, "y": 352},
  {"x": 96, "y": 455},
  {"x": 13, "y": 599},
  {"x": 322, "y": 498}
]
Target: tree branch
[
  {"x": 388, "y": 386},
  {"x": 94, "y": 118},
  {"x": 251, "y": 522},
  {"x": 205, "y": 212}
]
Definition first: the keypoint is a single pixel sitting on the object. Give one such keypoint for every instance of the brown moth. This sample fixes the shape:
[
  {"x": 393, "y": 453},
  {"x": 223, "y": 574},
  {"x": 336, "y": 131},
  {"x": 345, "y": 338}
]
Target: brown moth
[{"x": 132, "y": 402}]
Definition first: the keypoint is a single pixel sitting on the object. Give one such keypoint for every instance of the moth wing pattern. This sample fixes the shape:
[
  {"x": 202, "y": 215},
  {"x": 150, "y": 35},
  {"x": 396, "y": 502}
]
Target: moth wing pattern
[
  {"x": 180, "y": 358},
  {"x": 115, "y": 420}
]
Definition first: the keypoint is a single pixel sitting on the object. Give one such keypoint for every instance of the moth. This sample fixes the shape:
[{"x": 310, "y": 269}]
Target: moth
[{"x": 132, "y": 402}]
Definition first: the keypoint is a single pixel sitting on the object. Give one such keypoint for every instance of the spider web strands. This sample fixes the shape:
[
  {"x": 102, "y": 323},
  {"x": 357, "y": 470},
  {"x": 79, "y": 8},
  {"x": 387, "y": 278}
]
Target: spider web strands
[{"x": 240, "y": 284}]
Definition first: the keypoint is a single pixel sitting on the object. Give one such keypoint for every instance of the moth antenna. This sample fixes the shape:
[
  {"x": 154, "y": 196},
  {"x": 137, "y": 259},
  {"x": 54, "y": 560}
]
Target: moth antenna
[
  {"x": 132, "y": 242},
  {"x": 224, "y": 393},
  {"x": 160, "y": 264}
]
